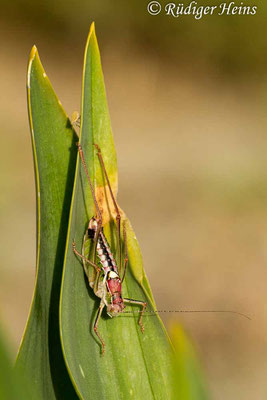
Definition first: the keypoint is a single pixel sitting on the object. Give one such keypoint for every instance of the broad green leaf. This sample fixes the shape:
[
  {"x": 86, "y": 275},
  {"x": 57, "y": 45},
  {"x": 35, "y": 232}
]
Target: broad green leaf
[
  {"x": 135, "y": 365},
  {"x": 188, "y": 383},
  {"x": 13, "y": 385},
  {"x": 53, "y": 141}
]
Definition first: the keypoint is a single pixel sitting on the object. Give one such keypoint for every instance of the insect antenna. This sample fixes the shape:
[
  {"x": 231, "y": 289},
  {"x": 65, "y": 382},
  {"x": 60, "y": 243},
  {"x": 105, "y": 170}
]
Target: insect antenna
[
  {"x": 118, "y": 215},
  {"x": 90, "y": 183},
  {"x": 153, "y": 312},
  {"x": 94, "y": 198}
]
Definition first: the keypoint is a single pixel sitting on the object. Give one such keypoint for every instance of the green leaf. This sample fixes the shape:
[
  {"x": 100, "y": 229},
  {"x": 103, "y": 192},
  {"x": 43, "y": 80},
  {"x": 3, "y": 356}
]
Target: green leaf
[
  {"x": 135, "y": 365},
  {"x": 13, "y": 385},
  {"x": 188, "y": 382},
  {"x": 53, "y": 141}
]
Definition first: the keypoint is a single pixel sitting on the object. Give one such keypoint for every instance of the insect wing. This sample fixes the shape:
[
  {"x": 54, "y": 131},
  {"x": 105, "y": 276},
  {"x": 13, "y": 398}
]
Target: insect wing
[{"x": 87, "y": 253}]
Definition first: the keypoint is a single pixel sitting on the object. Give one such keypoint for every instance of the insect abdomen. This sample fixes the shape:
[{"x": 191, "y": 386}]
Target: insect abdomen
[{"x": 105, "y": 255}]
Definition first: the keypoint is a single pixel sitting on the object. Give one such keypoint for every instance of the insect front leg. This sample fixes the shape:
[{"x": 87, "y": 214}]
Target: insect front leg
[
  {"x": 141, "y": 303},
  {"x": 99, "y": 312}
]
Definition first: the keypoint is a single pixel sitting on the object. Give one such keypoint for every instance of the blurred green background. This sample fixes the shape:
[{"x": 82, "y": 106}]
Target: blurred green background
[{"x": 188, "y": 102}]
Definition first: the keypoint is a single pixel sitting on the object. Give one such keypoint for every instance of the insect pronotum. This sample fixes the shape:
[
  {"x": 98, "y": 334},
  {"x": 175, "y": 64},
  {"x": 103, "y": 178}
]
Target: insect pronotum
[{"x": 104, "y": 275}]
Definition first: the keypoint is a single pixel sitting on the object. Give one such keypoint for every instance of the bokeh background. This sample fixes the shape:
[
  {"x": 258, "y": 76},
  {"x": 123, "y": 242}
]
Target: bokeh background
[{"x": 188, "y": 102}]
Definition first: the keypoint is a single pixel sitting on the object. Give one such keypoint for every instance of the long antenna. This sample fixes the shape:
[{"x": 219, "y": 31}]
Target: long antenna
[
  {"x": 118, "y": 217},
  {"x": 90, "y": 182},
  {"x": 190, "y": 311}
]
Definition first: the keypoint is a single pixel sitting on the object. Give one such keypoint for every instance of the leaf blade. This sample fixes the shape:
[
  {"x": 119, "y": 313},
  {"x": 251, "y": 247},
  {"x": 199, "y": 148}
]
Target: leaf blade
[
  {"x": 14, "y": 385},
  {"x": 54, "y": 156},
  {"x": 111, "y": 376},
  {"x": 188, "y": 381}
]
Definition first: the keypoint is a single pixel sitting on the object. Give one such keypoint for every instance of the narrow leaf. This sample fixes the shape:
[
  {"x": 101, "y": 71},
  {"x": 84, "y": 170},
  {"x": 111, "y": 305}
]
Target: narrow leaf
[
  {"x": 188, "y": 381},
  {"x": 135, "y": 365},
  {"x": 13, "y": 384},
  {"x": 53, "y": 141}
]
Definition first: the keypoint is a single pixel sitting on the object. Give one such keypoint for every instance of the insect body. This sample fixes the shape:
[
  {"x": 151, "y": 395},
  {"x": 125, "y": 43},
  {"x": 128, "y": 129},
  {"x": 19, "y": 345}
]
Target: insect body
[
  {"x": 104, "y": 275},
  {"x": 110, "y": 290}
]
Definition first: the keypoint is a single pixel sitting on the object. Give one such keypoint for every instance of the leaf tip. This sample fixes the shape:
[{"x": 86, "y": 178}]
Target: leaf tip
[
  {"x": 33, "y": 52},
  {"x": 91, "y": 38},
  {"x": 92, "y": 35},
  {"x": 92, "y": 29}
]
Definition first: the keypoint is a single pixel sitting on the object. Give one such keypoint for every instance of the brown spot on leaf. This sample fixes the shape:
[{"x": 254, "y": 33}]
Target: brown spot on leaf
[{"x": 106, "y": 204}]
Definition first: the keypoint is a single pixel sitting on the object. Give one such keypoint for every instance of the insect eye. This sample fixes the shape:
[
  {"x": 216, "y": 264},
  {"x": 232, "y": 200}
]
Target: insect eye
[
  {"x": 93, "y": 224},
  {"x": 90, "y": 233}
]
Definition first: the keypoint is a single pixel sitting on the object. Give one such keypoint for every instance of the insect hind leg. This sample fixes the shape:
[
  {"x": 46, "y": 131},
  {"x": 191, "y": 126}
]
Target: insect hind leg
[
  {"x": 125, "y": 252},
  {"x": 118, "y": 214},
  {"x": 141, "y": 303}
]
